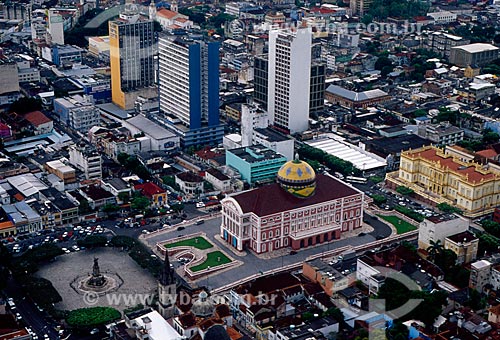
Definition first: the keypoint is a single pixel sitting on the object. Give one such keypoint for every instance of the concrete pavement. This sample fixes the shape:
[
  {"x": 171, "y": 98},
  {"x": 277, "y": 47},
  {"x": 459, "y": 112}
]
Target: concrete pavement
[{"x": 254, "y": 264}]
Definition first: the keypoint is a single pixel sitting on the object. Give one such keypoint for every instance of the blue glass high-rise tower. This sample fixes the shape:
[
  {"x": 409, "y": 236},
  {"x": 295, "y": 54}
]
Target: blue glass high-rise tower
[{"x": 189, "y": 87}]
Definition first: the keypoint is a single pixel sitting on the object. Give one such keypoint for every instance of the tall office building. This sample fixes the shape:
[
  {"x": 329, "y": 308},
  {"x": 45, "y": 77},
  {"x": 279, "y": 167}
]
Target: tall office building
[
  {"x": 56, "y": 27},
  {"x": 132, "y": 48},
  {"x": 316, "y": 84},
  {"x": 288, "y": 81},
  {"x": 260, "y": 79},
  {"x": 359, "y": 7},
  {"x": 317, "y": 88},
  {"x": 189, "y": 87}
]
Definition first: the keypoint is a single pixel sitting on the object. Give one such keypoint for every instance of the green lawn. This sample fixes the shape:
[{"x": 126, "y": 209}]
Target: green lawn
[
  {"x": 197, "y": 242},
  {"x": 400, "y": 225},
  {"x": 212, "y": 261}
]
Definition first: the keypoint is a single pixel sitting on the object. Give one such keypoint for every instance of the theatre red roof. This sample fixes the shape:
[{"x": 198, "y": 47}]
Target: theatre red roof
[{"x": 271, "y": 199}]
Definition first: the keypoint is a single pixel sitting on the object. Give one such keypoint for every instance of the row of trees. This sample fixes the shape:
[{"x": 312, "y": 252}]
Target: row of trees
[
  {"x": 488, "y": 137},
  {"x": 139, "y": 253},
  {"x": 87, "y": 318},
  {"x": 406, "y": 9},
  {"x": 334, "y": 163}
]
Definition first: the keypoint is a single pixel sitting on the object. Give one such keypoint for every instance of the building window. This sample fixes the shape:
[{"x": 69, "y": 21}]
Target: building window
[{"x": 263, "y": 236}]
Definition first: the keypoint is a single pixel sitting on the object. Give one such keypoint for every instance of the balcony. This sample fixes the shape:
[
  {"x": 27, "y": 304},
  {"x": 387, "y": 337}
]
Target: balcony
[{"x": 298, "y": 235}]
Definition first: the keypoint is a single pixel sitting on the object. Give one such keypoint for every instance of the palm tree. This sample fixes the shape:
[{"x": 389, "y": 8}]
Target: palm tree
[{"x": 434, "y": 249}]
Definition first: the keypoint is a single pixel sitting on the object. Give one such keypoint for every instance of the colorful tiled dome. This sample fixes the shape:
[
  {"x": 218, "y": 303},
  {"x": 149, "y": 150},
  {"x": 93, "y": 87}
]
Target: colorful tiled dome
[{"x": 298, "y": 178}]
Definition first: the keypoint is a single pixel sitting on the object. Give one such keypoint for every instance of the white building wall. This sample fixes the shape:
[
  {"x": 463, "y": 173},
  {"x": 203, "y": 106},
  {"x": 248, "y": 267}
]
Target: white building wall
[
  {"x": 429, "y": 231},
  {"x": 251, "y": 119},
  {"x": 56, "y": 28},
  {"x": 288, "y": 78},
  {"x": 174, "y": 79},
  {"x": 364, "y": 272}
]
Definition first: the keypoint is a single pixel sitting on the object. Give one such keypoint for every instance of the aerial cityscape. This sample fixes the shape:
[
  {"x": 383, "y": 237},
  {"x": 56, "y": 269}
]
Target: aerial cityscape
[{"x": 240, "y": 170}]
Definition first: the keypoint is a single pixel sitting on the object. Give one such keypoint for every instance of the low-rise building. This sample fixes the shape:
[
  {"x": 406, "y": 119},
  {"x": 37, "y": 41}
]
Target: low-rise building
[
  {"x": 159, "y": 137},
  {"x": 218, "y": 180},
  {"x": 66, "y": 173},
  {"x": 157, "y": 195},
  {"x": 441, "y": 42},
  {"x": 436, "y": 229},
  {"x": 478, "y": 54},
  {"x": 441, "y": 134},
  {"x": 464, "y": 245},
  {"x": 275, "y": 141},
  {"x": 24, "y": 218},
  {"x": 476, "y": 92},
  {"x": 189, "y": 183},
  {"x": 66, "y": 211},
  {"x": 325, "y": 275},
  {"x": 145, "y": 324},
  {"x": 97, "y": 196},
  {"x": 40, "y": 123},
  {"x": 338, "y": 95},
  {"x": 77, "y": 112},
  {"x": 479, "y": 275},
  {"x": 373, "y": 267},
  {"x": 255, "y": 163},
  {"x": 117, "y": 186},
  {"x": 443, "y": 17},
  {"x": 87, "y": 160}
]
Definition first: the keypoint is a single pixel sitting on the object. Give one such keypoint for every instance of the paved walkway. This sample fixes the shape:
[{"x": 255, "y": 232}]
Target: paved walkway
[{"x": 254, "y": 264}]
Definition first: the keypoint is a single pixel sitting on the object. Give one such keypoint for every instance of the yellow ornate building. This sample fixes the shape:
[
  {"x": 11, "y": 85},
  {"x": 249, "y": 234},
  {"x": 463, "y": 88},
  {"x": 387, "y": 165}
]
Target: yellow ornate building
[{"x": 437, "y": 177}]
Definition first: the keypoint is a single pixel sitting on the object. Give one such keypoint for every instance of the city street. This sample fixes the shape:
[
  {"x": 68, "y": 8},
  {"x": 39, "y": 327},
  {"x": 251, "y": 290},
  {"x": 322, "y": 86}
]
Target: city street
[
  {"x": 253, "y": 264},
  {"x": 31, "y": 315}
]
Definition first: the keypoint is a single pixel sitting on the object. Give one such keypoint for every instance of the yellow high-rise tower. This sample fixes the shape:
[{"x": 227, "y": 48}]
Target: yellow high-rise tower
[{"x": 132, "y": 47}]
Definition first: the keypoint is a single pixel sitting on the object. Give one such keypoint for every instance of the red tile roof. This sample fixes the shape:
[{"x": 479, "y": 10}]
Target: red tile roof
[
  {"x": 187, "y": 320},
  {"x": 488, "y": 153},
  {"x": 149, "y": 189},
  {"x": 271, "y": 199},
  {"x": 166, "y": 13},
  {"x": 474, "y": 175},
  {"x": 36, "y": 118}
]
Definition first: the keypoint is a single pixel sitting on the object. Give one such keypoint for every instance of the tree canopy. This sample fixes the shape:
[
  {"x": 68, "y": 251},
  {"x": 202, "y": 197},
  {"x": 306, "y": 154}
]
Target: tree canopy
[
  {"x": 25, "y": 105},
  {"x": 334, "y": 163},
  {"x": 396, "y": 294},
  {"x": 85, "y": 318},
  {"x": 406, "y": 9}
]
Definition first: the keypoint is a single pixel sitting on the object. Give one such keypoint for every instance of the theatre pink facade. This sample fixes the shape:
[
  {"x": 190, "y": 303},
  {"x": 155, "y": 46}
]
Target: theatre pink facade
[{"x": 270, "y": 218}]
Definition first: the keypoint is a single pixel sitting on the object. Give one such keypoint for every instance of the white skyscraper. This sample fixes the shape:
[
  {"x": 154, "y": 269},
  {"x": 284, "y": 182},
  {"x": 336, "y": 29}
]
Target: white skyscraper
[
  {"x": 56, "y": 27},
  {"x": 288, "y": 78}
]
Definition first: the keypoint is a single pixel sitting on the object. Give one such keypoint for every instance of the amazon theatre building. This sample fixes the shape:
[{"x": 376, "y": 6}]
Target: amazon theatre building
[{"x": 302, "y": 209}]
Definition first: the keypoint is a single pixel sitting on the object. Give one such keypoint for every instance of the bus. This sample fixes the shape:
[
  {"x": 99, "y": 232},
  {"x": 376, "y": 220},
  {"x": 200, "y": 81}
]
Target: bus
[{"x": 353, "y": 179}]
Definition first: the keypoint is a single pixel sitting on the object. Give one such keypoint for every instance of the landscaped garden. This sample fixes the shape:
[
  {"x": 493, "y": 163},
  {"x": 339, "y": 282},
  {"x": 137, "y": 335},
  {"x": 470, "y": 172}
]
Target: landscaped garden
[
  {"x": 401, "y": 225},
  {"x": 196, "y": 242},
  {"x": 215, "y": 258}
]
